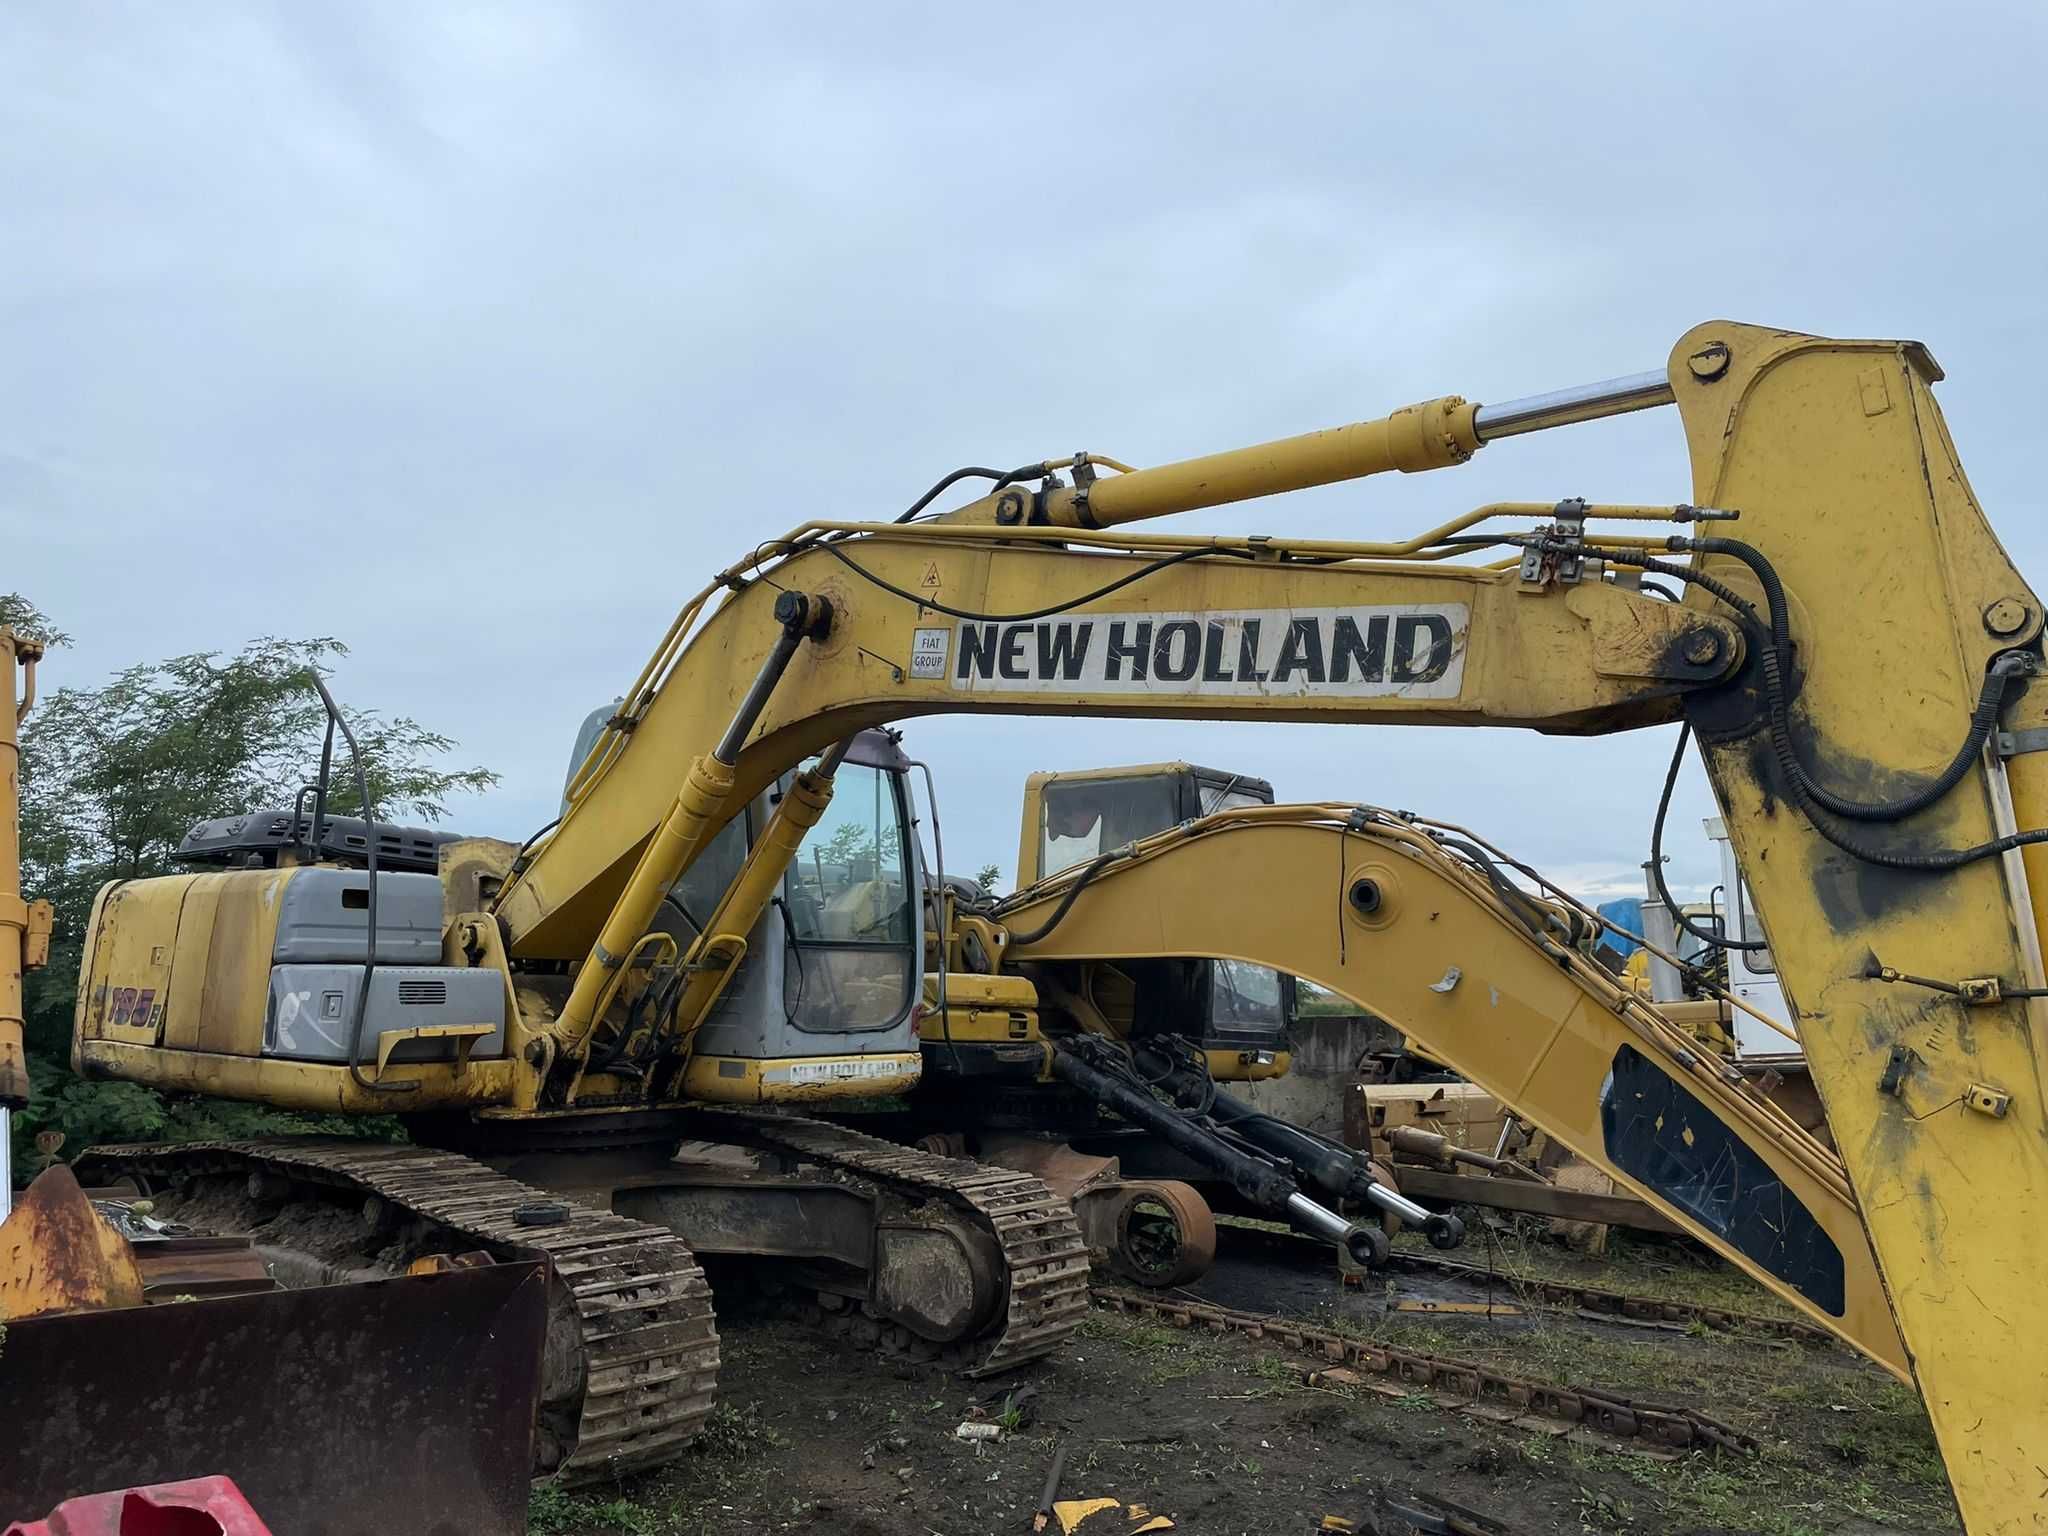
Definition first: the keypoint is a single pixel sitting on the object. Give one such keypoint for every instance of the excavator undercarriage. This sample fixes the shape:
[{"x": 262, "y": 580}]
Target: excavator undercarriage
[{"x": 930, "y": 1257}]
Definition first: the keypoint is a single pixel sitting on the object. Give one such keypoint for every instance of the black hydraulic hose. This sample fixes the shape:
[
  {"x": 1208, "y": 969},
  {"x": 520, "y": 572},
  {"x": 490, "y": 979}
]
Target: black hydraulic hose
[
  {"x": 969, "y": 472},
  {"x": 1329, "y": 1165},
  {"x": 1941, "y": 861},
  {"x": 1876, "y": 972},
  {"x": 1525, "y": 911},
  {"x": 1657, "y": 859},
  {"x": 658, "y": 1004},
  {"x": 1265, "y": 1186},
  {"x": 1325, "y": 1163},
  {"x": 518, "y": 864},
  {"x": 1331, "y": 1169},
  {"x": 926, "y": 600},
  {"x": 1983, "y": 719},
  {"x": 1815, "y": 799},
  {"x": 1081, "y": 883},
  {"x": 1700, "y": 579},
  {"x": 1635, "y": 559}
]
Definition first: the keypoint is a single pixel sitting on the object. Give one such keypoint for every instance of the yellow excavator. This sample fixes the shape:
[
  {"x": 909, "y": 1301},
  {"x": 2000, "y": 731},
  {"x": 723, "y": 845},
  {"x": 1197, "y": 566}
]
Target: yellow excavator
[
  {"x": 1838, "y": 625},
  {"x": 1143, "y": 1181},
  {"x": 1419, "y": 921}
]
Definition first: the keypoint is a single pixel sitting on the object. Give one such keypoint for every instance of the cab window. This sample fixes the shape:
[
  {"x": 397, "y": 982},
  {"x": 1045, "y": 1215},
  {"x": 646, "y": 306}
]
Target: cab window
[
  {"x": 1086, "y": 817},
  {"x": 848, "y": 901}
]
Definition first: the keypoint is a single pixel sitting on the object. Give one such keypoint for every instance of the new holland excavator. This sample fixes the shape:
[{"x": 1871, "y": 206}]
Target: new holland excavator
[{"x": 1852, "y": 647}]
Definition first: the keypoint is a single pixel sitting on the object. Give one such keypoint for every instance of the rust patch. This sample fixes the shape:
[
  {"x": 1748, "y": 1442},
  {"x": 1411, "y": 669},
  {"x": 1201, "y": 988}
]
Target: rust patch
[{"x": 56, "y": 1255}]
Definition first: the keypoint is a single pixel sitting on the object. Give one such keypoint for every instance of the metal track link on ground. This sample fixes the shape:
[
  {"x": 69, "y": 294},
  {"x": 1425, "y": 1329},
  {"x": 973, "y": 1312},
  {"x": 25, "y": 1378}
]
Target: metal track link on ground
[
  {"x": 1564, "y": 1295},
  {"x": 1474, "y": 1389},
  {"x": 1047, "y": 1290},
  {"x": 650, "y": 1345}
]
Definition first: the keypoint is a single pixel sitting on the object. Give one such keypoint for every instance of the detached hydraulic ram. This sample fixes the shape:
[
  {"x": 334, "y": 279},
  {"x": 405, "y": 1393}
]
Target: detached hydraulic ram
[
  {"x": 1336, "y": 1170},
  {"x": 1270, "y": 1181}
]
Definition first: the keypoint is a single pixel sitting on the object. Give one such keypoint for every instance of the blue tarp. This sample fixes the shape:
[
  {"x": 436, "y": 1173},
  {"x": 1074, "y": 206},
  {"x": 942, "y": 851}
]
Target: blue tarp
[{"x": 1628, "y": 912}]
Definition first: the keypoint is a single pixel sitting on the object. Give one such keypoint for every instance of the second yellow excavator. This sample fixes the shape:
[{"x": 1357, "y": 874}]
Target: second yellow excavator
[{"x": 1142, "y": 1182}]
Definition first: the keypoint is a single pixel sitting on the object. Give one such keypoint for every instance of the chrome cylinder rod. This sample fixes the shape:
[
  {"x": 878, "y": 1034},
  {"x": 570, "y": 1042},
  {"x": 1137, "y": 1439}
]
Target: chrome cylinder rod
[
  {"x": 1319, "y": 1219},
  {"x": 1361, "y": 1242},
  {"x": 1400, "y": 1205},
  {"x": 1582, "y": 402}
]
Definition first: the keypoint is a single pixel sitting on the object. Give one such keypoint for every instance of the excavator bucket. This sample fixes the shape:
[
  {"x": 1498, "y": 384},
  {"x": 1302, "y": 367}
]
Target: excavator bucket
[
  {"x": 390, "y": 1405},
  {"x": 56, "y": 1255}
]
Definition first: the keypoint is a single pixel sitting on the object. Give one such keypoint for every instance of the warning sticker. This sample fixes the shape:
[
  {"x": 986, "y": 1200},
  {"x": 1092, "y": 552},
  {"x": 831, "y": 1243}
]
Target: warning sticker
[{"x": 928, "y": 652}]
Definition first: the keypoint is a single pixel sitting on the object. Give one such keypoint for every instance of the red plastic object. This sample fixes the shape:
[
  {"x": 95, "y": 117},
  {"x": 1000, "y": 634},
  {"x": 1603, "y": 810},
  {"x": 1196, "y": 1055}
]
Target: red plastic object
[{"x": 202, "y": 1506}]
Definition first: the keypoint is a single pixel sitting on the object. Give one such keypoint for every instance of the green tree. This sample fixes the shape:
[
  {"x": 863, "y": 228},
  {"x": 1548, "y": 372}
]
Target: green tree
[
  {"x": 988, "y": 877},
  {"x": 24, "y": 618},
  {"x": 114, "y": 776}
]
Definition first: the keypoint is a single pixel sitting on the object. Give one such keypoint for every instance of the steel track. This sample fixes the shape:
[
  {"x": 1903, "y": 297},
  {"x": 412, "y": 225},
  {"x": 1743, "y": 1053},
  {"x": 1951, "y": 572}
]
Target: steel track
[
  {"x": 1046, "y": 1290},
  {"x": 649, "y": 1343},
  {"x": 1563, "y": 1295},
  {"x": 1474, "y": 1389}
]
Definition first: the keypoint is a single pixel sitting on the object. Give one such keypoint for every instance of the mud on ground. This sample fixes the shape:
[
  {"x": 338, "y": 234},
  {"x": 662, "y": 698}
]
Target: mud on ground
[{"x": 1222, "y": 1434}]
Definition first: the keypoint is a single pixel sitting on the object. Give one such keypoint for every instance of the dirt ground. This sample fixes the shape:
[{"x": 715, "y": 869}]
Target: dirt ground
[{"x": 1222, "y": 1435}]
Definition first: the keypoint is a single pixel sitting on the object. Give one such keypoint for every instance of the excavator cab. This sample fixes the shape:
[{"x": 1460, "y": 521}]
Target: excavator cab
[
  {"x": 1241, "y": 1015},
  {"x": 831, "y": 969}
]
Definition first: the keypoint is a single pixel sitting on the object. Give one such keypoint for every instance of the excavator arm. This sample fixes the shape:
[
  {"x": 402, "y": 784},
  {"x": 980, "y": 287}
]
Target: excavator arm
[{"x": 1418, "y": 925}]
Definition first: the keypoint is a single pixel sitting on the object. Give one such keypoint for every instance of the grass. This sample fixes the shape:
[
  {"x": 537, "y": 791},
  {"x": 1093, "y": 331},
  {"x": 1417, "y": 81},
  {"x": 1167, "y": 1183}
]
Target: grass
[
  {"x": 1165, "y": 1354},
  {"x": 1643, "y": 1266},
  {"x": 731, "y": 1437},
  {"x": 551, "y": 1511},
  {"x": 731, "y": 1433},
  {"x": 1276, "y": 1368},
  {"x": 1780, "y": 1493},
  {"x": 1840, "y": 1440}
]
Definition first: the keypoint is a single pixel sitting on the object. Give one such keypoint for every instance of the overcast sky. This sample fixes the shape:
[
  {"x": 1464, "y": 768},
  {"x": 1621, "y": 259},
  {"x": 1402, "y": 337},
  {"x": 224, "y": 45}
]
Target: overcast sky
[{"x": 478, "y": 337}]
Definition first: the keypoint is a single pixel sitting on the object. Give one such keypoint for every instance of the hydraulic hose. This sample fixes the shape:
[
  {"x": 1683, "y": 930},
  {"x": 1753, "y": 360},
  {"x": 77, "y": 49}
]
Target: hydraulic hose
[
  {"x": 1983, "y": 719},
  {"x": 969, "y": 472},
  {"x": 1264, "y": 1185},
  {"x": 1151, "y": 568},
  {"x": 1815, "y": 799},
  {"x": 1081, "y": 883},
  {"x": 1333, "y": 1168},
  {"x": 1656, "y": 865}
]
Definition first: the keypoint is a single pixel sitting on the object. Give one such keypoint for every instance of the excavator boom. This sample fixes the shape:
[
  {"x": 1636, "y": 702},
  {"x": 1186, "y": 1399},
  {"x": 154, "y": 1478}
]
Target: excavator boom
[
  {"x": 1205, "y": 628},
  {"x": 1425, "y": 930}
]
